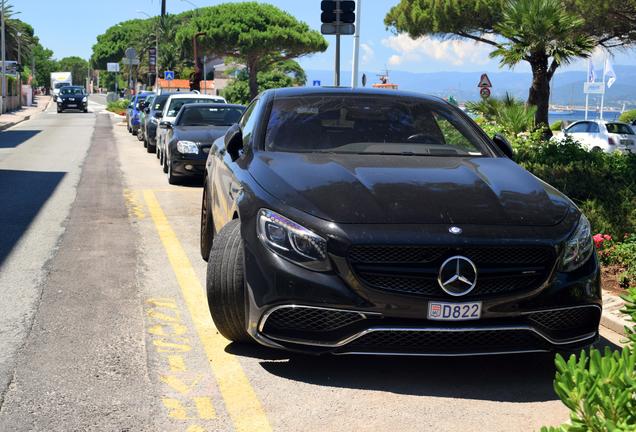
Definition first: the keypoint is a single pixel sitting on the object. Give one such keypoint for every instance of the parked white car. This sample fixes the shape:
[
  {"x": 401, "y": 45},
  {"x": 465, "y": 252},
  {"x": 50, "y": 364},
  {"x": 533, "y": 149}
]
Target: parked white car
[
  {"x": 608, "y": 136},
  {"x": 169, "y": 114}
]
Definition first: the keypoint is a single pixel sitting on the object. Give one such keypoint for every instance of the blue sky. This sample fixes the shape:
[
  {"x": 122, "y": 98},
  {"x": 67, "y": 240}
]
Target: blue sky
[{"x": 380, "y": 47}]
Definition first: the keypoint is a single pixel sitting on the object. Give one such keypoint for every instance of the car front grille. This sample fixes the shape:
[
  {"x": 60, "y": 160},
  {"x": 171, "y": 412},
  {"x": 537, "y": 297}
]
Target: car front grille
[
  {"x": 562, "y": 323},
  {"x": 414, "y": 269},
  {"x": 310, "y": 319},
  {"x": 442, "y": 342}
]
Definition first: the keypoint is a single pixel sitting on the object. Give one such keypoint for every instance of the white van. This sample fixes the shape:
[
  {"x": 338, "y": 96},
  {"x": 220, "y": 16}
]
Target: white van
[{"x": 59, "y": 80}]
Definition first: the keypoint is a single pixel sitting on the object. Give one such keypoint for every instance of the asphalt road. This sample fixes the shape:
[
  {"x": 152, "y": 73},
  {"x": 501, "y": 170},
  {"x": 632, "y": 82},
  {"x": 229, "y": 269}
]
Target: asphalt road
[{"x": 104, "y": 327}]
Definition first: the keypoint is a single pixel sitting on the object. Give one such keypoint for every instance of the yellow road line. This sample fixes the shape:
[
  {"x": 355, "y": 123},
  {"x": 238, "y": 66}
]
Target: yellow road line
[{"x": 241, "y": 402}]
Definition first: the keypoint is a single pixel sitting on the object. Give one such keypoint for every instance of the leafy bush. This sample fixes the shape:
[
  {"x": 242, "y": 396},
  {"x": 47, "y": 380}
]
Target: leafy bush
[
  {"x": 511, "y": 114},
  {"x": 628, "y": 116},
  {"x": 118, "y": 106},
  {"x": 557, "y": 125},
  {"x": 586, "y": 177}
]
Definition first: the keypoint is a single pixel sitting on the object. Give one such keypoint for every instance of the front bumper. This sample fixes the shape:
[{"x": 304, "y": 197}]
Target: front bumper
[
  {"x": 188, "y": 166},
  {"x": 339, "y": 312},
  {"x": 65, "y": 104}
]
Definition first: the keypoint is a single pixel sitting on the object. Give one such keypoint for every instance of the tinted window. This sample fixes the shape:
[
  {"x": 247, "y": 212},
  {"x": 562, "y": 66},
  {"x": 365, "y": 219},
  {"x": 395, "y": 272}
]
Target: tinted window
[
  {"x": 593, "y": 128},
  {"x": 249, "y": 121},
  {"x": 59, "y": 85},
  {"x": 209, "y": 116},
  {"x": 619, "y": 128},
  {"x": 370, "y": 125},
  {"x": 71, "y": 90},
  {"x": 159, "y": 102},
  {"x": 578, "y": 128},
  {"x": 176, "y": 104}
]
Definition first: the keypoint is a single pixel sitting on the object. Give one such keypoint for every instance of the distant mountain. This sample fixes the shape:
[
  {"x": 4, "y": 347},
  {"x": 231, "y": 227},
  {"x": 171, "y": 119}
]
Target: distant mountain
[{"x": 567, "y": 87}]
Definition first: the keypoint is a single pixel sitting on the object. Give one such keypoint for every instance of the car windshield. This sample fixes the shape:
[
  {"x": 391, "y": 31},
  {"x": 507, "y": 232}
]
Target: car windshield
[
  {"x": 72, "y": 90},
  {"x": 210, "y": 116},
  {"x": 619, "y": 128},
  {"x": 159, "y": 102},
  {"x": 60, "y": 85},
  {"x": 370, "y": 125},
  {"x": 176, "y": 104}
]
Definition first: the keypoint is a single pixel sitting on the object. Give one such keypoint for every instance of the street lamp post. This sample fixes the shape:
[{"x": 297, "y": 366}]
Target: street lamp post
[{"x": 3, "y": 77}]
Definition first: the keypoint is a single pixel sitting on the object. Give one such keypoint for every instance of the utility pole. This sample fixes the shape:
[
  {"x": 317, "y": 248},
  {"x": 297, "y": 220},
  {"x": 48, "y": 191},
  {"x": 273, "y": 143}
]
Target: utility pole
[
  {"x": 356, "y": 46},
  {"x": 3, "y": 77},
  {"x": 337, "y": 71}
]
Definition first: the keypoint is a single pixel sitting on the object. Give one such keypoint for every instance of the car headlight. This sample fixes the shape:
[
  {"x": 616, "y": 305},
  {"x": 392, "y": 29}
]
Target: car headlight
[
  {"x": 292, "y": 241},
  {"x": 579, "y": 247},
  {"x": 187, "y": 147},
  {"x": 85, "y": 99}
]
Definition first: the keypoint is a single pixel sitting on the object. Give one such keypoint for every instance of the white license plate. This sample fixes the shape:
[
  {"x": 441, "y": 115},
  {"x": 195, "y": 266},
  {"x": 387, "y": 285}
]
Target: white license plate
[
  {"x": 443, "y": 311},
  {"x": 71, "y": 105}
]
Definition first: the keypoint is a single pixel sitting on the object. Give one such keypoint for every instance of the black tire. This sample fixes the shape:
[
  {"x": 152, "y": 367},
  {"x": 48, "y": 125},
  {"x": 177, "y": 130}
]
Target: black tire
[
  {"x": 151, "y": 148},
  {"x": 157, "y": 151},
  {"x": 85, "y": 110},
  {"x": 128, "y": 127},
  {"x": 59, "y": 111},
  {"x": 172, "y": 179},
  {"x": 164, "y": 161},
  {"x": 225, "y": 283},
  {"x": 207, "y": 225}
]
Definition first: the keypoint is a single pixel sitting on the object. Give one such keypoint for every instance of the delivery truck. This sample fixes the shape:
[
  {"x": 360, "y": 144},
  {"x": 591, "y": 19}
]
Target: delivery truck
[{"x": 59, "y": 80}]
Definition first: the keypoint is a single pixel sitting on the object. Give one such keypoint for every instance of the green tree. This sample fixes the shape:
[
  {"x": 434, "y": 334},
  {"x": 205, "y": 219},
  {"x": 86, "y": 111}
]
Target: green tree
[
  {"x": 78, "y": 68},
  {"x": 544, "y": 33},
  {"x": 44, "y": 65},
  {"x": 284, "y": 74},
  {"x": 19, "y": 36},
  {"x": 257, "y": 35}
]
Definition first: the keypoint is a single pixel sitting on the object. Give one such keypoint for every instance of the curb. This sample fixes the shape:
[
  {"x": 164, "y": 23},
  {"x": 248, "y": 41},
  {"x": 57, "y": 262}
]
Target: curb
[
  {"x": 612, "y": 318},
  {"x": 8, "y": 125}
]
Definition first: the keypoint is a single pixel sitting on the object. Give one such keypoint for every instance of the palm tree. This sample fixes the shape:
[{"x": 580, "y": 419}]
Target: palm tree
[
  {"x": 19, "y": 36},
  {"x": 546, "y": 35}
]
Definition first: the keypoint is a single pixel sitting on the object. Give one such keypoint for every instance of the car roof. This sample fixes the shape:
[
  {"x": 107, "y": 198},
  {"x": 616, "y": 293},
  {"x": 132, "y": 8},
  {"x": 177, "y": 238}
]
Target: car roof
[
  {"x": 307, "y": 91},
  {"x": 214, "y": 105},
  {"x": 194, "y": 96}
]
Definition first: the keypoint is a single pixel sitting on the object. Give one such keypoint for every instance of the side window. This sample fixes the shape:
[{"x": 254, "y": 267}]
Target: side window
[
  {"x": 249, "y": 120},
  {"x": 593, "y": 128},
  {"x": 578, "y": 128}
]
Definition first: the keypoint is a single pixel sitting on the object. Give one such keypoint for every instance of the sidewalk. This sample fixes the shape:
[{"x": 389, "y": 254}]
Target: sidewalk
[
  {"x": 612, "y": 318},
  {"x": 14, "y": 117}
]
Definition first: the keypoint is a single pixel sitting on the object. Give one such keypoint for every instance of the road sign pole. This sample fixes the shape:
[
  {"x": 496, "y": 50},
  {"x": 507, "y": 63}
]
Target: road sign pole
[
  {"x": 205, "y": 75},
  {"x": 3, "y": 80},
  {"x": 356, "y": 46},
  {"x": 587, "y": 103},
  {"x": 337, "y": 68}
]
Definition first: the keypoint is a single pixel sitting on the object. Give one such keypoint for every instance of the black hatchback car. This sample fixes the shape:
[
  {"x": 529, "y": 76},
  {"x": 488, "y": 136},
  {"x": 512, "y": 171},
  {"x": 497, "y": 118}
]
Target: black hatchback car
[
  {"x": 72, "y": 97},
  {"x": 372, "y": 222},
  {"x": 191, "y": 135}
]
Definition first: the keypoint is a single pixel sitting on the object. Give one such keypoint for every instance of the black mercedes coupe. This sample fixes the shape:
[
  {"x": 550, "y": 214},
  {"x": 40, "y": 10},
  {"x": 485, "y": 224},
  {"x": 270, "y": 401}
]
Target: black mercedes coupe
[{"x": 373, "y": 222}]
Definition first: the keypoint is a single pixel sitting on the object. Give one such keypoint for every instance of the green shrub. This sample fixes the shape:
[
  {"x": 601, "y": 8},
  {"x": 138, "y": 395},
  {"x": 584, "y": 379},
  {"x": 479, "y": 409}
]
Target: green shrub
[
  {"x": 628, "y": 116},
  {"x": 118, "y": 106},
  {"x": 511, "y": 114},
  {"x": 557, "y": 125},
  {"x": 602, "y": 185}
]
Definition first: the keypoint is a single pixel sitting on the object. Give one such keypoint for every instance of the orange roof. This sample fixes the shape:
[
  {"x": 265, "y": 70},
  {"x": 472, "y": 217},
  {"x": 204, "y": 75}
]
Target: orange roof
[
  {"x": 210, "y": 85},
  {"x": 178, "y": 83}
]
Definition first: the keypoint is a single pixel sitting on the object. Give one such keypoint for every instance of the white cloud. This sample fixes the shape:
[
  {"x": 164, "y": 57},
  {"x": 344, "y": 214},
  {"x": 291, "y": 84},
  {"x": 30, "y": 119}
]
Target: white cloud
[
  {"x": 368, "y": 54},
  {"x": 454, "y": 52}
]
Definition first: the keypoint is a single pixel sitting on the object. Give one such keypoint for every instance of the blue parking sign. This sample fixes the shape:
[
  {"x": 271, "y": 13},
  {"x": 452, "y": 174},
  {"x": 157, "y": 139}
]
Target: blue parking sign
[
  {"x": 168, "y": 75},
  {"x": 317, "y": 83}
]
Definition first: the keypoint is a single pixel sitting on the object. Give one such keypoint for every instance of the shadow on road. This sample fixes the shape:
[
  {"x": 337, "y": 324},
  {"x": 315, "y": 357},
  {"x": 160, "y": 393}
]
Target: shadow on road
[
  {"x": 22, "y": 194},
  {"x": 506, "y": 378},
  {"x": 13, "y": 138}
]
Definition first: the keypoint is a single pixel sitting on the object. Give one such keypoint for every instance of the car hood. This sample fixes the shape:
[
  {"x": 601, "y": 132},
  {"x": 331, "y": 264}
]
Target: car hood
[
  {"x": 202, "y": 134},
  {"x": 409, "y": 189}
]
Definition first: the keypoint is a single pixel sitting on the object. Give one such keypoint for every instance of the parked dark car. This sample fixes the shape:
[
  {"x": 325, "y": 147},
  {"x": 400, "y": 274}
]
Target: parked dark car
[
  {"x": 72, "y": 97},
  {"x": 191, "y": 135},
  {"x": 152, "y": 117},
  {"x": 373, "y": 222},
  {"x": 144, "y": 108},
  {"x": 134, "y": 109}
]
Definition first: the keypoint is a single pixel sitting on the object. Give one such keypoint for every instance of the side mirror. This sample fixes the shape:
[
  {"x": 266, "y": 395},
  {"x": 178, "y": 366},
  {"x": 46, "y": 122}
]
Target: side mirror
[
  {"x": 234, "y": 141},
  {"x": 502, "y": 143},
  {"x": 165, "y": 125}
]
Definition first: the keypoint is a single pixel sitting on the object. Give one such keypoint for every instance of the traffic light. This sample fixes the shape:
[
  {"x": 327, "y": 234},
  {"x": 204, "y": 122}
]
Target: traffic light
[{"x": 330, "y": 16}]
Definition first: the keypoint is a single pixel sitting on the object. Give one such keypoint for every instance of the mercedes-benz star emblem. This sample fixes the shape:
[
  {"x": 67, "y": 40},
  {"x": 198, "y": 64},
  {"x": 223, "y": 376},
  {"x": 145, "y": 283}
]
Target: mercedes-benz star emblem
[
  {"x": 457, "y": 276},
  {"x": 455, "y": 230}
]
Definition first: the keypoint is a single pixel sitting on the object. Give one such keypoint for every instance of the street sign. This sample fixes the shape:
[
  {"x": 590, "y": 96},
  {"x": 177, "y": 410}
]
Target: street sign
[
  {"x": 484, "y": 81},
  {"x": 130, "y": 53},
  {"x": 484, "y": 92},
  {"x": 331, "y": 29},
  {"x": 330, "y": 11},
  {"x": 594, "y": 88},
  {"x": 317, "y": 83},
  {"x": 129, "y": 61},
  {"x": 168, "y": 75},
  {"x": 152, "y": 56},
  {"x": 112, "y": 67}
]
